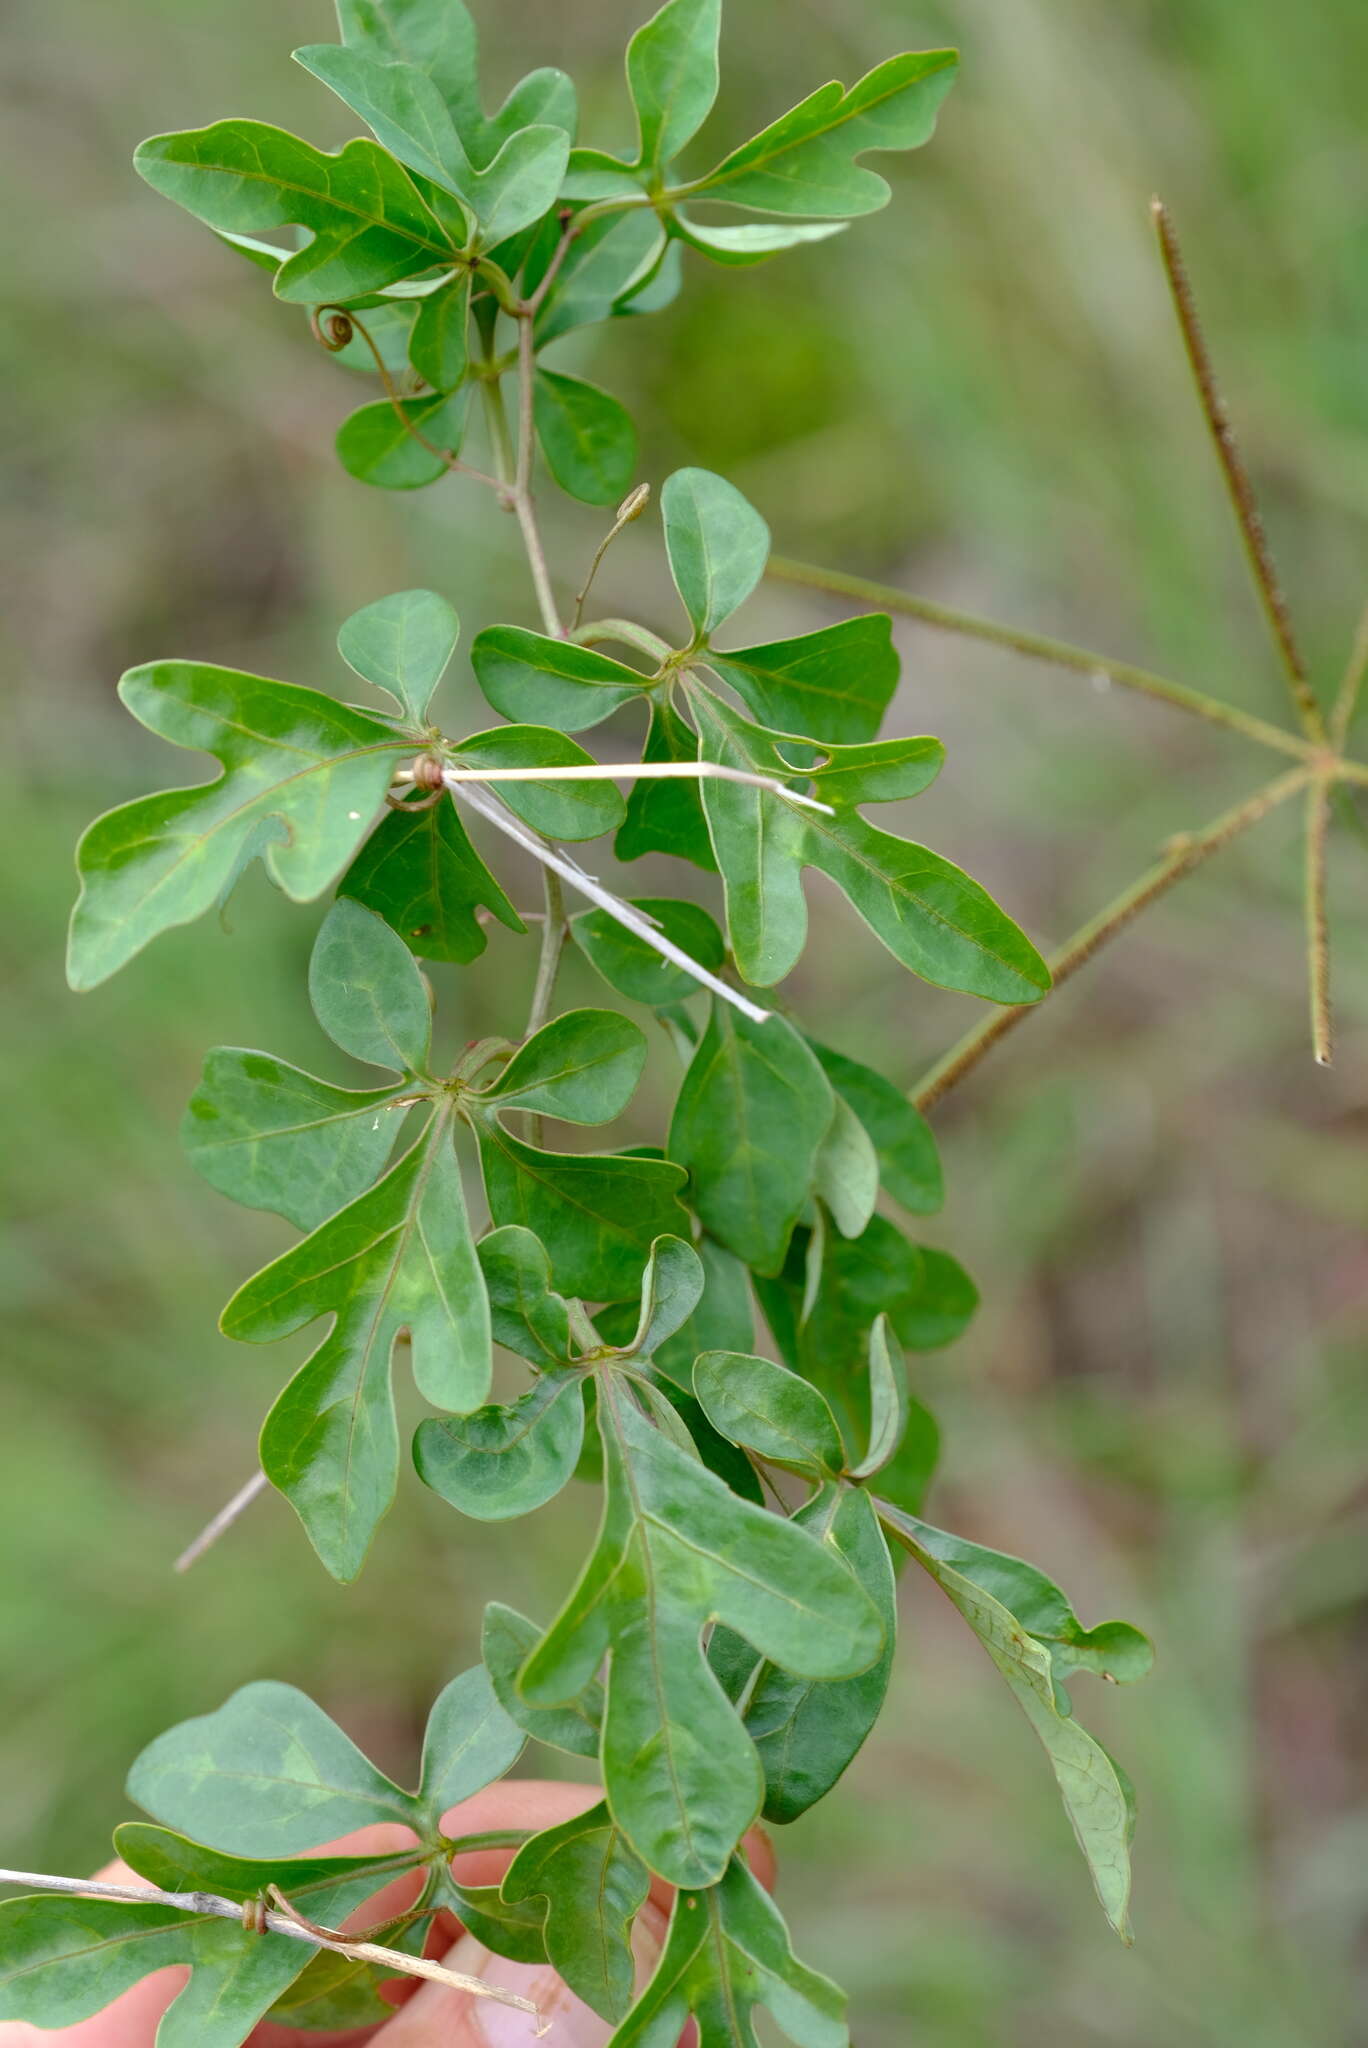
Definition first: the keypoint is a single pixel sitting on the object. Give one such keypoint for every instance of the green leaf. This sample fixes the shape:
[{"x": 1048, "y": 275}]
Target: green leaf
[
  {"x": 596, "y": 1213},
  {"x": 64, "y": 1959},
  {"x": 928, "y": 912},
  {"x": 508, "y": 1640},
  {"x": 847, "y": 1171},
  {"x": 508, "y": 1460},
  {"x": 749, "y": 1124},
  {"x": 470, "y": 1741},
  {"x": 717, "y": 544},
  {"x": 268, "y": 1136},
  {"x": 437, "y": 345},
  {"x": 676, "y": 1550},
  {"x": 438, "y": 36},
  {"x": 398, "y": 1258},
  {"x": 268, "y": 1774},
  {"x": 367, "y": 991},
  {"x": 832, "y": 685},
  {"x": 666, "y": 816},
  {"x": 726, "y": 1952},
  {"x": 562, "y": 810},
  {"x": 400, "y": 105},
  {"x": 594, "y": 1885},
  {"x": 379, "y": 444},
  {"x": 1097, "y": 1796},
  {"x": 805, "y": 163},
  {"x": 506, "y": 1930},
  {"x": 672, "y": 76},
  {"x": 419, "y": 871},
  {"x": 768, "y": 1409},
  {"x": 525, "y": 1315},
  {"x": 878, "y": 771},
  {"x": 302, "y": 780},
  {"x": 723, "y": 1321},
  {"x": 808, "y": 1734},
  {"x": 587, "y": 437},
  {"x": 604, "y": 269},
  {"x": 888, "y": 1400},
  {"x": 367, "y": 222},
  {"x": 405, "y": 110},
  {"x": 527, "y": 674},
  {"x": 671, "y": 1289},
  {"x": 1114, "y": 1649},
  {"x": 402, "y": 644},
  {"x": 755, "y": 242},
  {"x": 928, "y": 1298},
  {"x": 909, "y": 1164},
  {"x": 582, "y": 1067},
  {"x": 635, "y": 969}
]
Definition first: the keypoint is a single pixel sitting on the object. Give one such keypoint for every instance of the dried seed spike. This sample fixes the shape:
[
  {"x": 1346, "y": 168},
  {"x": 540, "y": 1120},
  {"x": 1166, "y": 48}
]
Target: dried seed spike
[{"x": 1238, "y": 485}]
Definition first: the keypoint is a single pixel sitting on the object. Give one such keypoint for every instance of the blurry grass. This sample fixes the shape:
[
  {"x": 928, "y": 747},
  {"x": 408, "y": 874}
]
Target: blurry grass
[{"x": 978, "y": 393}]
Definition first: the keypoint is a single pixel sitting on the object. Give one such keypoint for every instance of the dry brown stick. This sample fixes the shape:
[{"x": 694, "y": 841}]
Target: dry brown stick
[
  {"x": 1351, "y": 683},
  {"x": 1238, "y": 485},
  {"x": 1317, "y": 921},
  {"x": 1187, "y": 851},
  {"x": 287, "y": 1920}
]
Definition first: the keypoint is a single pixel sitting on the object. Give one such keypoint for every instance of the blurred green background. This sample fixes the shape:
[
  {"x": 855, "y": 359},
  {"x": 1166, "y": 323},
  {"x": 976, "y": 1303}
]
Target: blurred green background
[{"x": 978, "y": 394}]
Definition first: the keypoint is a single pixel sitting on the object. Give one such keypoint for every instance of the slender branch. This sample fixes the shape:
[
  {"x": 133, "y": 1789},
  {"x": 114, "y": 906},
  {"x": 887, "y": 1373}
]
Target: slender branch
[
  {"x": 1038, "y": 647},
  {"x": 632, "y": 507},
  {"x": 1317, "y": 922},
  {"x": 1184, "y": 853},
  {"x": 555, "y": 931},
  {"x": 522, "y": 491},
  {"x": 335, "y": 333},
  {"x": 1351, "y": 683},
  {"x": 1238, "y": 485},
  {"x": 252, "y": 1915},
  {"x": 626, "y": 914},
  {"x": 222, "y": 1521},
  {"x": 570, "y": 228}
]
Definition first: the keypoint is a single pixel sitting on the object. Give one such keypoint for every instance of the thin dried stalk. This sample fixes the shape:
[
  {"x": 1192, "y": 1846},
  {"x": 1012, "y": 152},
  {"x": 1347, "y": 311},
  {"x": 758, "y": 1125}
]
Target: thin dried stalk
[{"x": 287, "y": 1921}]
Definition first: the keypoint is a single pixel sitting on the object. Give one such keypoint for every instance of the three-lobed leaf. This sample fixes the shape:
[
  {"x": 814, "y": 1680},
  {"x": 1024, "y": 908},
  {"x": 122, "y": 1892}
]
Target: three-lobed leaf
[
  {"x": 806, "y": 163},
  {"x": 677, "y": 1549},
  {"x": 727, "y": 1951},
  {"x": 302, "y": 780},
  {"x": 399, "y": 1258},
  {"x": 368, "y": 223},
  {"x": 1096, "y": 1793},
  {"x": 593, "y": 1884},
  {"x": 421, "y": 873},
  {"x": 932, "y": 917}
]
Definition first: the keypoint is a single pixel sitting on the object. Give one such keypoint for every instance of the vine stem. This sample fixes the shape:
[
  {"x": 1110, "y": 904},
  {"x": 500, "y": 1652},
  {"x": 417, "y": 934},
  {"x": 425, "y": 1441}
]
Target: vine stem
[
  {"x": 254, "y": 1916},
  {"x": 1039, "y": 647},
  {"x": 1317, "y": 921},
  {"x": 1184, "y": 853},
  {"x": 522, "y": 486},
  {"x": 555, "y": 931},
  {"x": 1238, "y": 485}
]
